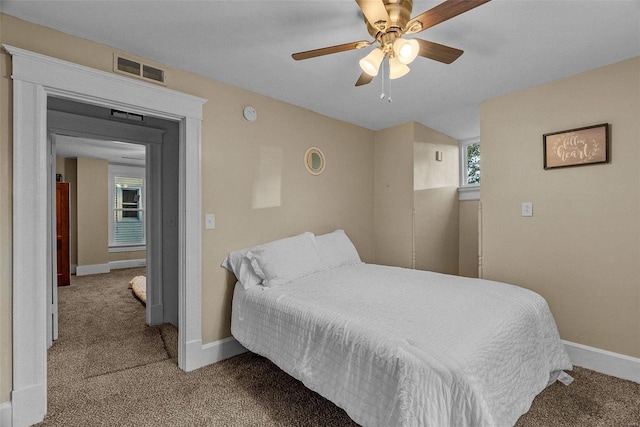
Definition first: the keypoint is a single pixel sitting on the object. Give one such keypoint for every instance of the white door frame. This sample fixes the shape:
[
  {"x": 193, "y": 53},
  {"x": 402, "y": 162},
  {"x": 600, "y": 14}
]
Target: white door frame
[
  {"x": 35, "y": 77},
  {"x": 52, "y": 289}
]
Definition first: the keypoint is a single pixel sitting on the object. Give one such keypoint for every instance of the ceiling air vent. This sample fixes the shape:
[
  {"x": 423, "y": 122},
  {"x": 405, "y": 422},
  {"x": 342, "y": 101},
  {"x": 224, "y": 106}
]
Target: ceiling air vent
[{"x": 138, "y": 69}]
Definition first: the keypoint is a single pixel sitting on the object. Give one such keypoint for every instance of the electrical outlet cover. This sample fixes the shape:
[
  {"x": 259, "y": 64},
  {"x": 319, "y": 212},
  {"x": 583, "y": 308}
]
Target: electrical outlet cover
[{"x": 527, "y": 209}]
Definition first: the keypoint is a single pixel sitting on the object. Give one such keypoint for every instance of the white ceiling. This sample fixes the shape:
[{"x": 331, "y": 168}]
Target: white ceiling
[
  {"x": 509, "y": 45},
  {"x": 115, "y": 152}
]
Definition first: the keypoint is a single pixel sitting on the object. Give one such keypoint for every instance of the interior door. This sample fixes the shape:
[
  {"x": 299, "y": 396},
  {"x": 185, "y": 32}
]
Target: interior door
[{"x": 62, "y": 233}]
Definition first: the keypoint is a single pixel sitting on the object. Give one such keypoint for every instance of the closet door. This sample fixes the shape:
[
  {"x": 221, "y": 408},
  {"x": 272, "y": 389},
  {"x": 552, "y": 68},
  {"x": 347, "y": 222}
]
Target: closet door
[{"x": 62, "y": 232}]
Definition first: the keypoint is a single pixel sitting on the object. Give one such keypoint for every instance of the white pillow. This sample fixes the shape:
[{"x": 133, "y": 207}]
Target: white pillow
[
  {"x": 284, "y": 260},
  {"x": 240, "y": 265},
  {"x": 336, "y": 249}
]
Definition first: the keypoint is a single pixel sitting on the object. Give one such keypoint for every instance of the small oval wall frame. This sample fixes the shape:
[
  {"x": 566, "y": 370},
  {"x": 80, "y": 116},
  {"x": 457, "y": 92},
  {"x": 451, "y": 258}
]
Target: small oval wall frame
[{"x": 314, "y": 161}]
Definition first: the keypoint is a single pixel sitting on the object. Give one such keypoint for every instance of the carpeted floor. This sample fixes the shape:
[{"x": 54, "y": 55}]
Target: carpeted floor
[{"x": 109, "y": 369}]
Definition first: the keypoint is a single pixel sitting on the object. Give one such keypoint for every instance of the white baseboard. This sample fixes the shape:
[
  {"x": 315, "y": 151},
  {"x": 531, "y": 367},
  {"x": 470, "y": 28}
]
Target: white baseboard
[
  {"x": 127, "y": 263},
  {"x": 606, "y": 362},
  {"x": 203, "y": 355},
  {"x": 5, "y": 415},
  {"x": 220, "y": 350},
  {"x": 85, "y": 270},
  {"x": 28, "y": 405}
]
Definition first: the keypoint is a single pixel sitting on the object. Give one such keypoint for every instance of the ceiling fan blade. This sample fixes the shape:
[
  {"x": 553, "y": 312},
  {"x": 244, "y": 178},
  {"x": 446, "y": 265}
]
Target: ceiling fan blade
[
  {"x": 364, "y": 79},
  {"x": 376, "y": 13},
  {"x": 329, "y": 50},
  {"x": 438, "y": 52},
  {"x": 441, "y": 13}
]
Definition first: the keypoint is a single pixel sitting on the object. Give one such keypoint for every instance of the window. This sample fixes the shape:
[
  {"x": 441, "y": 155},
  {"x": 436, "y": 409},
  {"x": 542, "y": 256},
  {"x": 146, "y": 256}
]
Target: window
[
  {"x": 129, "y": 198},
  {"x": 469, "y": 169},
  {"x": 127, "y": 213},
  {"x": 472, "y": 160}
]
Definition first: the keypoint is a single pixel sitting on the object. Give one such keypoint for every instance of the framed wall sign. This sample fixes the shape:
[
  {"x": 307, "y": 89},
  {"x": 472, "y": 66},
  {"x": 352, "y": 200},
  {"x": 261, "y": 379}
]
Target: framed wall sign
[{"x": 576, "y": 147}]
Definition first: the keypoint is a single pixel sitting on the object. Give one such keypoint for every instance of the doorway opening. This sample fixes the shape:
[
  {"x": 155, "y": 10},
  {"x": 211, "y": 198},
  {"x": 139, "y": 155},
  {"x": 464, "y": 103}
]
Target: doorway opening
[
  {"x": 36, "y": 78},
  {"x": 115, "y": 209},
  {"x": 125, "y": 196}
]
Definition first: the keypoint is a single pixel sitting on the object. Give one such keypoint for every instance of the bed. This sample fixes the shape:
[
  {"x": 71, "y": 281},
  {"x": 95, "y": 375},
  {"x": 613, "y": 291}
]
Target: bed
[{"x": 393, "y": 346}]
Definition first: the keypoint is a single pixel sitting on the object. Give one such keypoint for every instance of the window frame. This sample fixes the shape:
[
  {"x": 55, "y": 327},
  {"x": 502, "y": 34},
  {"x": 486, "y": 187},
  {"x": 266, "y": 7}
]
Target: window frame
[
  {"x": 129, "y": 172},
  {"x": 467, "y": 191}
]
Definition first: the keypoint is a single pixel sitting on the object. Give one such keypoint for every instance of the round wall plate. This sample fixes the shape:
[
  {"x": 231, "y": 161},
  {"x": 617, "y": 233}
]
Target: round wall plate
[{"x": 250, "y": 114}]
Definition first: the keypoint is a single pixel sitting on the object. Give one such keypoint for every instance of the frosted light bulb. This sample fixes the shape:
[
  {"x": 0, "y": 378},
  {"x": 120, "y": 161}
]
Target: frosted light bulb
[
  {"x": 371, "y": 63},
  {"x": 406, "y": 50}
]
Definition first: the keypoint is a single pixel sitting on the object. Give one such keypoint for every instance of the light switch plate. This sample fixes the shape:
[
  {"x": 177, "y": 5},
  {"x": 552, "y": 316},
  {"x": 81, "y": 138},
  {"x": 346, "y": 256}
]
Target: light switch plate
[{"x": 527, "y": 209}]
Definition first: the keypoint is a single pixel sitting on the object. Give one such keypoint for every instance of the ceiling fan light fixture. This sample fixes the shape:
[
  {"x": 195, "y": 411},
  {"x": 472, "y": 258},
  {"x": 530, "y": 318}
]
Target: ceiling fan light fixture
[
  {"x": 371, "y": 63},
  {"x": 387, "y": 21},
  {"x": 397, "y": 69},
  {"x": 406, "y": 50}
]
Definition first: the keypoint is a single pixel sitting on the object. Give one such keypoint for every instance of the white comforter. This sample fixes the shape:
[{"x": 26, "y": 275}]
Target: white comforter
[{"x": 399, "y": 347}]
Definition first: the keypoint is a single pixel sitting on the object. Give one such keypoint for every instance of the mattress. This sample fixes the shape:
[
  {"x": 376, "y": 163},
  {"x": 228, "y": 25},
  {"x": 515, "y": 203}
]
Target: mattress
[{"x": 399, "y": 347}]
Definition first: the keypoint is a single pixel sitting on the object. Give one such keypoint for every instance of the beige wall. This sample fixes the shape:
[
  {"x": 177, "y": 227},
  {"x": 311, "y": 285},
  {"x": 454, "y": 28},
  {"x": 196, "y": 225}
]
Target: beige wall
[
  {"x": 241, "y": 162},
  {"x": 236, "y": 155},
  {"x": 416, "y": 198},
  {"x": 435, "y": 200},
  {"x": 581, "y": 248},
  {"x": 93, "y": 211},
  {"x": 468, "y": 238},
  {"x": 60, "y": 168},
  {"x": 394, "y": 195},
  {"x": 71, "y": 176}
]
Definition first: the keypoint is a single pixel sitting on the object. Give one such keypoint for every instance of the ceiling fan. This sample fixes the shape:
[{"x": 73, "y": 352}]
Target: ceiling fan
[{"x": 388, "y": 21}]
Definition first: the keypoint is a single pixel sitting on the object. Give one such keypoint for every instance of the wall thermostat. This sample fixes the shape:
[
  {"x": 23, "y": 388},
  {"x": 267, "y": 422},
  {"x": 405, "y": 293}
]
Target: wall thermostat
[{"x": 249, "y": 114}]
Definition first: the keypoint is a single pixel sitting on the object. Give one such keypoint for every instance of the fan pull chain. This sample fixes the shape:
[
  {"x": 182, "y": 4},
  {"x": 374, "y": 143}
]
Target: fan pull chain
[
  {"x": 389, "y": 89},
  {"x": 386, "y": 81},
  {"x": 382, "y": 94},
  {"x": 387, "y": 76}
]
